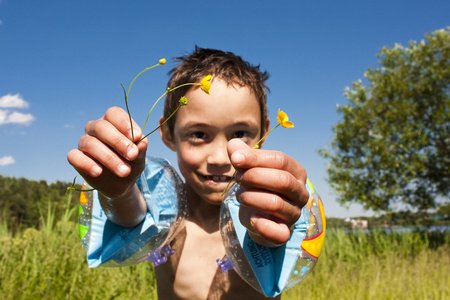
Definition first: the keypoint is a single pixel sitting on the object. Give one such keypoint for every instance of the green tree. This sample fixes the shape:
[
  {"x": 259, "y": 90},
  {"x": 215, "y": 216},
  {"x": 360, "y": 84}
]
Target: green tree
[
  {"x": 24, "y": 202},
  {"x": 392, "y": 148},
  {"x": 444, "y": 209}
]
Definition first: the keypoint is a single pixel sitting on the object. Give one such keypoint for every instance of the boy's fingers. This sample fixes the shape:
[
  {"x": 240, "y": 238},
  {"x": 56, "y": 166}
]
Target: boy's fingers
[
  {"x": 275, "y": 181},
  {"x": 107, "y": 157},
  {"x": 108, "y": 134},
  {"x": 273, "y": 171},
  {"x": 244, "y": 157},
  {"x": 269, "y": 203},
  {"x": 84, "y": 164},
  {"x": 104, "y": 155},
  {"x": 120, "y": 119},
  {"x": 236, "y": 144},
  {"x": 270, "y": 230},
  {"x": 108, "y": 184}
]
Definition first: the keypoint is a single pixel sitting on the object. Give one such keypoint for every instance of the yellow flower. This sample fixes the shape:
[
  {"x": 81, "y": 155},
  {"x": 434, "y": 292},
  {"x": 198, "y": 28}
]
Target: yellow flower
[
  {"x": 162, "y": 61},
  {"x": 205, "y": 84},
  {"x": 283, "y": 119},
  {"x": 183, "y": 100}
]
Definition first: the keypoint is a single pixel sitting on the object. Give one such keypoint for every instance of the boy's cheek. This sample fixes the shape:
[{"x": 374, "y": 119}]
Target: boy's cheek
[
  {"x": 188, "y": 162},
  {"x": 188, "y": 158}
]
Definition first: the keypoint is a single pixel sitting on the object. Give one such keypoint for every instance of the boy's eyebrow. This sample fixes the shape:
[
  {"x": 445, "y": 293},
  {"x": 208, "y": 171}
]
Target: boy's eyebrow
[
  {"x": 245, "y": 123},
  {"x": 204, "y": 124},
  {"x": 195, "y": 124}
]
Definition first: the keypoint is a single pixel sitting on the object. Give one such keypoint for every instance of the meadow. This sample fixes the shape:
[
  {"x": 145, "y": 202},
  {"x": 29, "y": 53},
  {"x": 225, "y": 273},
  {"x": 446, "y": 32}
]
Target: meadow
[{"x": 50, "y": 263}]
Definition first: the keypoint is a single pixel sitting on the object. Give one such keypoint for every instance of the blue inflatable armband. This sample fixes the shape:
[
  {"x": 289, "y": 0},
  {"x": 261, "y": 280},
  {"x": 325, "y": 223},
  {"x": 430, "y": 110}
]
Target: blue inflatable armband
[
  {"x": 111, "y": 245},
  {"x": 272, "y": 270}
]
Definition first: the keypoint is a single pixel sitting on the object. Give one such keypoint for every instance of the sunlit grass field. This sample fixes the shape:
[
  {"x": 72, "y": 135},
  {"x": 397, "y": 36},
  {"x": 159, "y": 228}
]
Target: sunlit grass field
[{"x": 50, "y": 264}]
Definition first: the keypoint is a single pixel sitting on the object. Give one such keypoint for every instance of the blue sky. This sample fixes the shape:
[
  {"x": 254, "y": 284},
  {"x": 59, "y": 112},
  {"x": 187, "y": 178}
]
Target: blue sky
[{"x": 62, "y": 62}]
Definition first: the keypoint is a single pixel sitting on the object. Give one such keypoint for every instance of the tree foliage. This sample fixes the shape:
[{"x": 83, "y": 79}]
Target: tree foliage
[
  {"x": 392, "y": 147},
  {"x": 24, "y": 202}
]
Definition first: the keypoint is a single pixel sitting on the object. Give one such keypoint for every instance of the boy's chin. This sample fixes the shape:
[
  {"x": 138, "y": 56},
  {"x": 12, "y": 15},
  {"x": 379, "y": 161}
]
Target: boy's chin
[
  {"x": 213, "y": 199},
  {"x": 208, "y": 195}
]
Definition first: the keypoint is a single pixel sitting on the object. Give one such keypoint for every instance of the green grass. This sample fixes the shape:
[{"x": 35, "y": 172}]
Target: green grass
[
  {"x": 50, "y": 264},
  {"x": 412, "y": 265}
]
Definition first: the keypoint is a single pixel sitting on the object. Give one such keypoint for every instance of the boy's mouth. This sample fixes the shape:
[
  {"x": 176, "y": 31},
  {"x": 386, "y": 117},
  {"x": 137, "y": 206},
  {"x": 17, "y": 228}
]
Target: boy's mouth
[{"x": 217, "y": 178}]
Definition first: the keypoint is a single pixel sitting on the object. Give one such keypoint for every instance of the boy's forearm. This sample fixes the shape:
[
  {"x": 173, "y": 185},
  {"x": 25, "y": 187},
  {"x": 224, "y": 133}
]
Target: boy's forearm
[{"x": 127, "y": 210}]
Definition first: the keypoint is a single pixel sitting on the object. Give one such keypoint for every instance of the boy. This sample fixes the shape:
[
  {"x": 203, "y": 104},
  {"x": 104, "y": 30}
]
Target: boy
[{"x": 211, "y": 135}]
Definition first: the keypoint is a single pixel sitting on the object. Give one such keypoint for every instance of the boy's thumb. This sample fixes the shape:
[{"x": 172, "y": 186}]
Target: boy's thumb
[{"x": 233, "y": 146}]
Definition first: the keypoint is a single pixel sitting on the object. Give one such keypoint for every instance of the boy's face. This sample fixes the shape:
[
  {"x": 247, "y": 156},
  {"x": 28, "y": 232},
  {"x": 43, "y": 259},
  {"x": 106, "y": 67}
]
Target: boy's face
[{"x": 202, "y": 131}]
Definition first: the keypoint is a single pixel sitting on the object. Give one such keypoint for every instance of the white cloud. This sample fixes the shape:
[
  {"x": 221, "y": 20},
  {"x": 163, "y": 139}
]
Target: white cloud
[
  {"x": 20, "y": 118},
  {"x": 6, "y": 160},
  {"x": 15, "y": 101},
  {"x": 15, "y": 117},
  {"x": 3, "y": 116},
  {"x": 12, "y": 116}
]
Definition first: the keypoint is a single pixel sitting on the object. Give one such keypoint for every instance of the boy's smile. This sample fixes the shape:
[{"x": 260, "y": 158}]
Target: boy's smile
[
  {"x": 202, "y": 131},
  {"x": 214, "y": 179}
]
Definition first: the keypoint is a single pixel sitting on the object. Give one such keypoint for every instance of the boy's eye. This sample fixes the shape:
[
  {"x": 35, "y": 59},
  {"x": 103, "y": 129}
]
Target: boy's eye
[
  {"x": 240, "y": 134},
  {"x": 198, "y": 135}
]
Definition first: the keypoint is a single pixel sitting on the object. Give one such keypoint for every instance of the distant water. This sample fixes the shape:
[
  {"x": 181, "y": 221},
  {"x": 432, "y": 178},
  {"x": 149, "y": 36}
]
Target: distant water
[{"x": 438, "y": 228}]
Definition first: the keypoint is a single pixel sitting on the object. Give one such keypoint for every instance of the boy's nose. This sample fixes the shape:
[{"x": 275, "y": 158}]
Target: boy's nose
[{"x": 218, "y": 154}]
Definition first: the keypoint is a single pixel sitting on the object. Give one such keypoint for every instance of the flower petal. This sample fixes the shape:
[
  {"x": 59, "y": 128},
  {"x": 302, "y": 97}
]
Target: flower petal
[
  {"x": 282, "y": 117},
  {"x": 287, "y": 124},
  {"x": 205, "y": 84}
]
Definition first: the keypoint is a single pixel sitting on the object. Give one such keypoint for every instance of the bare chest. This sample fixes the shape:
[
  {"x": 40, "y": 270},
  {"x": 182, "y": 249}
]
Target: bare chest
[
  {"x": 197, "y": 265},
  {"x": 190, "y": 272}
]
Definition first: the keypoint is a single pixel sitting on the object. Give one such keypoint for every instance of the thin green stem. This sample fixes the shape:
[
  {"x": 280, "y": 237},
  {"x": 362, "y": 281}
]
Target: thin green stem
[
  {"x": 72, "y": 188},
  {"x": 156, "y": 102},
  {"x": 257, "y": 144},
  {"x": 146, "y": 69},
  {"x": 128, "y": 111},
  {"x": 162, "y": 122},
  {"x": 229, "y": 182},
  {"x": 148, "y": 116},
  {"x": 128, "y": 93}
]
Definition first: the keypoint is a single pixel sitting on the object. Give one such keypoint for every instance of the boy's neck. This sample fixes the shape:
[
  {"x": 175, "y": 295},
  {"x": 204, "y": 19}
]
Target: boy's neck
[{"x": 203, "y": 214}]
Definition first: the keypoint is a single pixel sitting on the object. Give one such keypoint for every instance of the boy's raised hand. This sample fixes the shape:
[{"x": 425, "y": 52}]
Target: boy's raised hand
[
  {"x": 272, "y": 192},
  {"x": 106, "y": 157}
]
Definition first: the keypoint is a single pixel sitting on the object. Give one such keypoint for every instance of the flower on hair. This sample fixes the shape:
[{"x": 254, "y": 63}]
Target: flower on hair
[{"x": 205, "y": 84}]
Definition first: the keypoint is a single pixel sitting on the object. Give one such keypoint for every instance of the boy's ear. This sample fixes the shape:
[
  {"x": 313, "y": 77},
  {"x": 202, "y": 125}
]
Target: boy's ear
[
  {"x": 266, "y": 130},
  {"x": 166, "y": 136}
]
